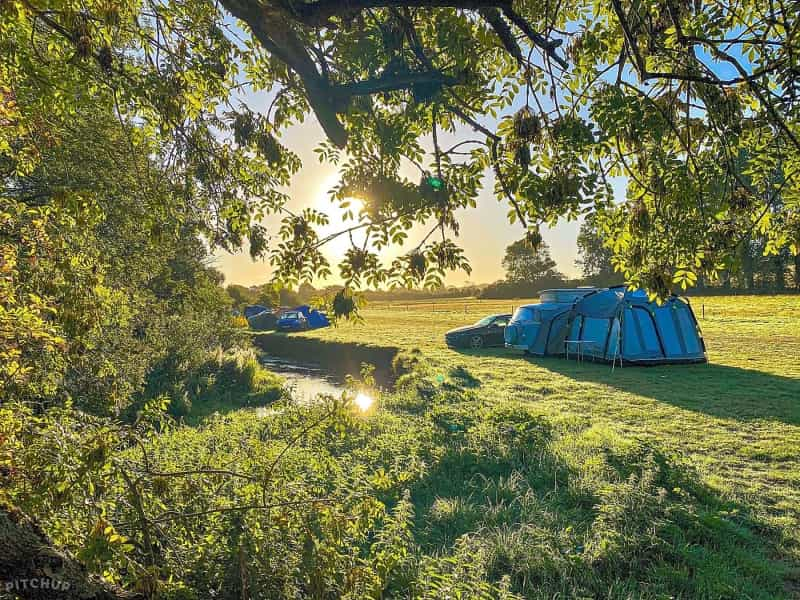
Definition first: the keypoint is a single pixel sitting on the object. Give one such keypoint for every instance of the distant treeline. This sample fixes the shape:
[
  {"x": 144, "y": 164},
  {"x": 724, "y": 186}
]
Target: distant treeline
[
  {"x": 467, "y": 291},
  {"x": 530, "y": 269},
  {"x": 499, "y": 290}
]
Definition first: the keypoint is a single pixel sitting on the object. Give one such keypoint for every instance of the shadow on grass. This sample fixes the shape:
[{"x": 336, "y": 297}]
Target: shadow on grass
[
  {"x": 628, "y": 523},
  {"x": 462, "y": 377},
  {"x": 717, "y": 390}
]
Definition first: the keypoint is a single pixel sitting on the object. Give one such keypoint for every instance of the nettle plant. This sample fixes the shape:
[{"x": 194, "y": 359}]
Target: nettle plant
[{"x": 694, "y": 104}]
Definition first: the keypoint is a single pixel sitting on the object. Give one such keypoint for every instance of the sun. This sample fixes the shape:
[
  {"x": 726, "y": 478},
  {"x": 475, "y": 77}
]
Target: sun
[
  {"x": 332, "y": 208},
  {"x": 337, "y": 246}
]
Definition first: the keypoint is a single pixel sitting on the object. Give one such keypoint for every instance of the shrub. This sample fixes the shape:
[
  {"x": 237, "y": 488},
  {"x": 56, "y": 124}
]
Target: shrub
[{"x": 239, "y": 321}]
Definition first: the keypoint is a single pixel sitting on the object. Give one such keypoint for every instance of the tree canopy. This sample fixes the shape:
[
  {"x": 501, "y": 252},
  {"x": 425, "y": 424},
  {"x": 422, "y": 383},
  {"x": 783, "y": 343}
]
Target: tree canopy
[
  {"x": 694, "y": 104},
  {"x": 134, "y": 139},
  {"x": 527, "y": 264}
]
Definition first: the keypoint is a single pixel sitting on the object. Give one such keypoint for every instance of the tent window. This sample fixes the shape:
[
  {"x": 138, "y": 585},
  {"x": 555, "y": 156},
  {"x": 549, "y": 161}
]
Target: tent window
[
  {"x": 575, "y": 333},
  {"x": 670, "y": 336},
  {"x": 689, "y": 330},
  {"x": 651, "y": 345},
  {"x": 556, "y": 334},
  {"x": 639, "y": 334},
  {"x": 631, "y": 337},
  {"x": 595, "y": 330},
  {"x": 523, "y": 313}
]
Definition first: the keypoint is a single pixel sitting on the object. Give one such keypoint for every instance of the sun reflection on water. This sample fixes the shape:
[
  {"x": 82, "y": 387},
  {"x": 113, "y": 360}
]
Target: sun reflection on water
[{"x": 363, "y": 401}]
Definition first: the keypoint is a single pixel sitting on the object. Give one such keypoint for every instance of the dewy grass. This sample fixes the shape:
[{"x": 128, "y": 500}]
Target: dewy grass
[{"x": 688, "y": 476}]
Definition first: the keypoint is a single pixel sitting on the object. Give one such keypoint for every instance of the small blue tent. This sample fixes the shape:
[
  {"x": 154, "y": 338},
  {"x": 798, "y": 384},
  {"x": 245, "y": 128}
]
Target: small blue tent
[
  {"x": 253, "y": 310},
  {"x": 611, "y": 324},
  {"x": 315, "y": 318}
]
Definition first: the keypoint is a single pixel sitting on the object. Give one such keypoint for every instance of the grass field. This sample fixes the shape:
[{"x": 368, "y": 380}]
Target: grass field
[{"x": 730, "y": 428}]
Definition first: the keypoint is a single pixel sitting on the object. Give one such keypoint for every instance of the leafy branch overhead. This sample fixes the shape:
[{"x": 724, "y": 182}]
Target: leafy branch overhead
[{"x": 692, "y": 107}]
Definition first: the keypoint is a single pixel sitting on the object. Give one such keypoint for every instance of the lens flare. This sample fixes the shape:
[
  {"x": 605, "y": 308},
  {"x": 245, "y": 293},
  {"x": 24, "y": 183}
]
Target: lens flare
[{"x": 363, "y": 401}]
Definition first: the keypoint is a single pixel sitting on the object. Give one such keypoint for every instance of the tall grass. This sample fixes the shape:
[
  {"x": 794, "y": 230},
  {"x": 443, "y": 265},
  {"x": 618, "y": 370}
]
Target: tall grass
[{"x": 225, "y": 381}]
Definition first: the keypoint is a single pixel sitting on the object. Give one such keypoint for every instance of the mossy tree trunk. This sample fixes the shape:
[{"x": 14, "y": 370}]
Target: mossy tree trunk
[{"x": 31, "y": 567}]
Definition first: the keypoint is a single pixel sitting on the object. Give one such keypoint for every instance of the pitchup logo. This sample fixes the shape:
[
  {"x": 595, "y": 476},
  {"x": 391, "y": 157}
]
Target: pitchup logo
[{"x": 34, "y": 583}]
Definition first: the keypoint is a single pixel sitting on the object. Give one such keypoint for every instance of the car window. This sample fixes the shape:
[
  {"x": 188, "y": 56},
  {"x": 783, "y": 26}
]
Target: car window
[
  {"x": 484, "y": 321},
  {"x": 501, "y": 321},
  {"x": 290, "y": 315}
]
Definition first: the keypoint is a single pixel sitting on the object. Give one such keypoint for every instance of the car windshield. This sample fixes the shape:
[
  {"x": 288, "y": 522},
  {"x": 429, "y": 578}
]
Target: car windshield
[
  {"x": 485, "y": 321},
  {"x": 525, "y": 313}
]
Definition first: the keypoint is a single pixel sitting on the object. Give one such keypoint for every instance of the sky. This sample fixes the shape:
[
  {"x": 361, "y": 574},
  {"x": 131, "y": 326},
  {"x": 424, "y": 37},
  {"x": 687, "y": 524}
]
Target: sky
[{"x": 485, "y": 230}]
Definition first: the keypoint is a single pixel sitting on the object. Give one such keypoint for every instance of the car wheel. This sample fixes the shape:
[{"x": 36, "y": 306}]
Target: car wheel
[{"x": 475, "y": 342}]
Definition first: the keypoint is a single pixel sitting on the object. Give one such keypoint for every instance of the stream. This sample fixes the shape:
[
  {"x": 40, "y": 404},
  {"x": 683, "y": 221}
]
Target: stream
[{"x": 305, "y": 379}]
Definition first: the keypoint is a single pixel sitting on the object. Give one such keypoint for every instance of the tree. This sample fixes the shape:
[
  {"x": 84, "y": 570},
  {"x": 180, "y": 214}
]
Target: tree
[
  {"x": 655, "y": 92},
  {"x": 268, "y": 295},
  {"x": 127, "y": 148},
  {"x": 796, "y": 272},
  {"x": 289, "y": 297},
  {"x": 241, "y": 296},
  {"x": 104, "y": 286},
  {"x": 594, "y": 257},
  {"x": 27, "y": 555},
  {"x": 527, "y": 264},
  {"x": 306, "y": 292}
]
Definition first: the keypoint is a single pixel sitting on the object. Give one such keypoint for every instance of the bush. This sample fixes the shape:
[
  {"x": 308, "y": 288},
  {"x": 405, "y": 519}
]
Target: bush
[{"x": 234, "y": 379}]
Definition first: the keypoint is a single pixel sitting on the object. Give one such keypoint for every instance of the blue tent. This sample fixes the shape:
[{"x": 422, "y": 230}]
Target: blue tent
[
  {"x": 253, "y": 310},
  {"x": 611, "y": 324},
  {"x": 315, "y": 318}
]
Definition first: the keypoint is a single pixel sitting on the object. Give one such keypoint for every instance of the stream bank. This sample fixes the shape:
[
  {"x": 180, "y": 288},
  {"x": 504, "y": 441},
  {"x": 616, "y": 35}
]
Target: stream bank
[{"x": 336, "y": 359}]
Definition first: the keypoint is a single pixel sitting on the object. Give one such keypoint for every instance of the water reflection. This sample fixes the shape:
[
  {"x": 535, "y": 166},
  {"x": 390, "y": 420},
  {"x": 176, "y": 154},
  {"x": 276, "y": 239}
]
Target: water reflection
[
  {"x": 305, "y": 379},
  {"x": 363, "y": 401}
]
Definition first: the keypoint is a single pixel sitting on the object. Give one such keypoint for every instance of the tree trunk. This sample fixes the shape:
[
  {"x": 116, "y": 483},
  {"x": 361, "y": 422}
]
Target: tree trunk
[
  {"x": 797, "y": 271},
  {"x": 32, "y": 568},
  {"x": 779, "y": 270}
]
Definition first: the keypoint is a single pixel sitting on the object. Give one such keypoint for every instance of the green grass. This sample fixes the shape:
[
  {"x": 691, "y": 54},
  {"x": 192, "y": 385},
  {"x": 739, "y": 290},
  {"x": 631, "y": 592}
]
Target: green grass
[
  {"x": 733, "y": 424},
  {"x": 483, "y": 474}
]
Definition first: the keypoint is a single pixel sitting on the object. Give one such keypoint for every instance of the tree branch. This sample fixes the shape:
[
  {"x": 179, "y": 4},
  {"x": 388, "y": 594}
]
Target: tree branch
[
  {"x": 388, "y": 83},
  {"x": 549, "y": 46},
  {"x": 503, "y": 31},
  {"x": 317, "y": 14},
  {"x": 273, "y": 28}
]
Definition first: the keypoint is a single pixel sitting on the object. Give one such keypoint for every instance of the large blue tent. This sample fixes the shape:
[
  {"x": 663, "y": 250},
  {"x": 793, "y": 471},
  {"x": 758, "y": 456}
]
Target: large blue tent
[{"x": 609, "y": 324}]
